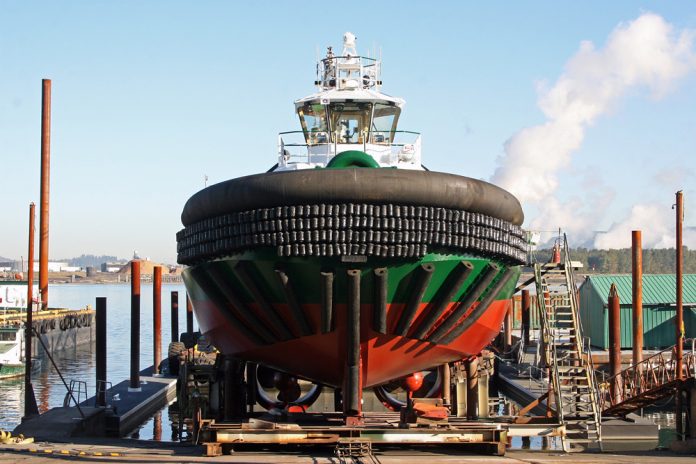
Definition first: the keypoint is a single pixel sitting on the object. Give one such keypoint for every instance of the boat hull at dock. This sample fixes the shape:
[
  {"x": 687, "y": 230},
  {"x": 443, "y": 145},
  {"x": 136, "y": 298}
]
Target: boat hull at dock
[
  {"x": 59, "y": 329},
  {"x": 8, "y": 371}
]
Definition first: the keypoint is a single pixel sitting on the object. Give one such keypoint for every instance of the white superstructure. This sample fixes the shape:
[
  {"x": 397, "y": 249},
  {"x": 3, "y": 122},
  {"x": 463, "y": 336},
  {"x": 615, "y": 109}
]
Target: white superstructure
[{"x": 348, "y": 112}]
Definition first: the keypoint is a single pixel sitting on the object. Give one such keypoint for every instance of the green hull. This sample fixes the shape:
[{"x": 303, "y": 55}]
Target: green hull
[
  {"x": 8, "y": 371},
  {"x": 300, "y": 324},
  {"x": 305, "y": 276}
]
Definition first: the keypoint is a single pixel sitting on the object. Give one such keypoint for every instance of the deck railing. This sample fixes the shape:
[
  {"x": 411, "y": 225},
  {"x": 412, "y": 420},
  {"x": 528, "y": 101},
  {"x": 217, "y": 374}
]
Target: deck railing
[{"x": 293, "y": 147}]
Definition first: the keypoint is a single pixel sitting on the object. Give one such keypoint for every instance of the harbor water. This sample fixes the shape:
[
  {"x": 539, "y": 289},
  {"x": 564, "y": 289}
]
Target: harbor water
[{"x": 79, "y": 364}]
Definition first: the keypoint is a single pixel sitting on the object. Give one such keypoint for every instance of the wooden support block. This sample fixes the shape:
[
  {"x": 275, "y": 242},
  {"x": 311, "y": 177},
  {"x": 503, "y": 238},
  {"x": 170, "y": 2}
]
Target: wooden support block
[{"x": 212, "y": 449}]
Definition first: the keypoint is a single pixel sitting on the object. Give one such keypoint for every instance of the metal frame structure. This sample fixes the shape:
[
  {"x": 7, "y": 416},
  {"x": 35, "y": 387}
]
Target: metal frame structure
[
  {"x": 565, "y": 353},
  {"x": 379, "y": 429},
  {"x": 644, "y": 383}
]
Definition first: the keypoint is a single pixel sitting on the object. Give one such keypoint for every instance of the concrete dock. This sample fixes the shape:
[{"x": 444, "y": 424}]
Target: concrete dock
[
  {"x": 122, "y": 450},
  {"x": 124, "y": 412}
]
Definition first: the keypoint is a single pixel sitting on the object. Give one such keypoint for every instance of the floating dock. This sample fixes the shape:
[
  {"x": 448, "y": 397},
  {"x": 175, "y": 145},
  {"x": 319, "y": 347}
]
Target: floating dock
[{"x": 125, "y": 410}]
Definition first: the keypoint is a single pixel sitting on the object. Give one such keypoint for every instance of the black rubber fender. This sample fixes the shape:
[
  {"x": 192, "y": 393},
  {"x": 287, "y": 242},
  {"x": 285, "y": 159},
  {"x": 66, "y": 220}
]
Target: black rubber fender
[{"x": 353, "y": 185}]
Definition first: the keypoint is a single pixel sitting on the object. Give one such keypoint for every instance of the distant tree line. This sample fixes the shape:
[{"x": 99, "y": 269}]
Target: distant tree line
[
  {"x": 91, "y": 260},
  {"x": 655, "y": 261}
]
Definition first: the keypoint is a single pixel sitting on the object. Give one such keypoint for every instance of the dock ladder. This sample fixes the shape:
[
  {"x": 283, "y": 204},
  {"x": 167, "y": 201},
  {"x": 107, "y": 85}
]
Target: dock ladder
[{"x": 565, "y": 353}]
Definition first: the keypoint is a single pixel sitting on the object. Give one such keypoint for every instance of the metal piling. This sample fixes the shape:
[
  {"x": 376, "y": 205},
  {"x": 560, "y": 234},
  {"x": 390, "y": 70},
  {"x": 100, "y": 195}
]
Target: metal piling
[
  {"x": 101, "y": 351},
  {"x": 157, "y": 318},
  {"x": 134, "y": 385}
]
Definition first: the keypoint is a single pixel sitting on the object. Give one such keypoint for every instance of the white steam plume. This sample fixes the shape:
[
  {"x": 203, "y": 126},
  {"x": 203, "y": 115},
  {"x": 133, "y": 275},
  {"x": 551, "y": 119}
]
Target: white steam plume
[
  {"x": 646, "y": 52},
  {"x": 657, "y": 223}
]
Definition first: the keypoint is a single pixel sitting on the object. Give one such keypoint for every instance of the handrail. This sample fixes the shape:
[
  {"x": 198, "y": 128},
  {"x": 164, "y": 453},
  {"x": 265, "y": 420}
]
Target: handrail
[
  {"x": 651, "y": 373},
  {"x": 380, "y": 131},
  {"x": 549, "y": 345},
  {"x": 299, "y": 149}
]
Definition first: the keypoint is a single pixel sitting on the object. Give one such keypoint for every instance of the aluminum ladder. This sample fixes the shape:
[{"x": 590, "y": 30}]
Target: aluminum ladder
[{"x": 566, "y": 354}]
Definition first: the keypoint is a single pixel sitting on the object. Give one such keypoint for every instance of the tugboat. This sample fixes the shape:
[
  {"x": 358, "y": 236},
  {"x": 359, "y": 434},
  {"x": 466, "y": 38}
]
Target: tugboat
[{"x": 348, "y": 263}]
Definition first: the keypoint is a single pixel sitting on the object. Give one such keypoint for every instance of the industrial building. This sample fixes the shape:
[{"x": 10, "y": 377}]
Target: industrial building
[{"x": 659, "y": 308}]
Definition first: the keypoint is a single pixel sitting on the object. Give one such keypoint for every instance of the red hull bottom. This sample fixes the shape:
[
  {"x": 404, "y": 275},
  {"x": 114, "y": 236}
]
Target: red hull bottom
[{"x": 322, "y": 357}]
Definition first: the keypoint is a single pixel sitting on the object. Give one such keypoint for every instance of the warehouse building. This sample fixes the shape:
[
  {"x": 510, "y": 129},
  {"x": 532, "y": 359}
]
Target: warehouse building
[{"x": 659, "y": 309}]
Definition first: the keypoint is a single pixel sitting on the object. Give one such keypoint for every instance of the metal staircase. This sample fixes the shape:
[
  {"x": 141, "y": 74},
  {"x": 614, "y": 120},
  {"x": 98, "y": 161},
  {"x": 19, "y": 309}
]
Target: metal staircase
[{"x": 564, "y": 354}]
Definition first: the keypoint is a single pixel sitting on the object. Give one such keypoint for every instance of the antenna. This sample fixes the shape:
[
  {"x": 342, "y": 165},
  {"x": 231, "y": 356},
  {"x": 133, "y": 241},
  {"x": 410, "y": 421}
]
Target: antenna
[
  {"x": 349, "y": 45},
  {"x": 205, "y": 180}
]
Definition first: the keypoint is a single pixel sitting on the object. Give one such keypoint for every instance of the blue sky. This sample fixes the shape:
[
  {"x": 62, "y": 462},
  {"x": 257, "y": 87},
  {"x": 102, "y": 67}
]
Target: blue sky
[{"x": 151, "y": 96}]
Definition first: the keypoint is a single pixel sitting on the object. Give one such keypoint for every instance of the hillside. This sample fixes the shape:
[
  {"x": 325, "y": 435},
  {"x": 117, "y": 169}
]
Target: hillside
[
  {"x": 655, "y": 261},
  {"x": 84, "y": 261}
]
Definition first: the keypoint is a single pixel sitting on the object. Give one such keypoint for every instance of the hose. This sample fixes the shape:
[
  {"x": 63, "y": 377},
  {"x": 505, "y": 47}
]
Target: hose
[{"x": 6, "y": 438}]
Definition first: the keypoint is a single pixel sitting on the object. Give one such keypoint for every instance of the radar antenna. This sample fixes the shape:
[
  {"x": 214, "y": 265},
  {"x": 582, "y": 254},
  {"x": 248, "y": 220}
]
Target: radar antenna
[{"x": 349, "y": 45}]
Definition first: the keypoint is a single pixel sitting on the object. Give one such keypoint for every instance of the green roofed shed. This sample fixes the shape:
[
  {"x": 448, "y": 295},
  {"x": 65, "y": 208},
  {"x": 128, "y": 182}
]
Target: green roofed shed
[{"x": 659, "y": 308}]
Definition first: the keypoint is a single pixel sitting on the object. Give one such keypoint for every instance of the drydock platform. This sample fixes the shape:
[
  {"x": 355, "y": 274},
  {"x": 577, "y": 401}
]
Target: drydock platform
[{"x": 328, "y": 429}]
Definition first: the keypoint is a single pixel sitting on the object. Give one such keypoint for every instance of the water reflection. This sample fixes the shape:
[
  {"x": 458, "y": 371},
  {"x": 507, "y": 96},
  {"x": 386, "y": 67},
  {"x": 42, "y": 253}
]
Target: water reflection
[
  {"x": 12, "y": 400},
  {"x": 157, "y": 426},
  {"x": 79, "y": 364},
  {"x": 153, "y": 427}
]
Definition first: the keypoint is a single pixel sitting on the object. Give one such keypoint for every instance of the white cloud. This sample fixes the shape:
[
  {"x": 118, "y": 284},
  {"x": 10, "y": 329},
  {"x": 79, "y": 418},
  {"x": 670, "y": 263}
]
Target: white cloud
[{"x": 646, "y": 53}]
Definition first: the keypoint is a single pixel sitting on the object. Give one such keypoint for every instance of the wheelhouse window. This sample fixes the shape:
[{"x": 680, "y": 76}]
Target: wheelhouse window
[
  {"x": 350, "y": 121},
  {"x": 8, "y": 335},
  {"x": 314, "y": 123},
  {"x": 384, "y": 123}
]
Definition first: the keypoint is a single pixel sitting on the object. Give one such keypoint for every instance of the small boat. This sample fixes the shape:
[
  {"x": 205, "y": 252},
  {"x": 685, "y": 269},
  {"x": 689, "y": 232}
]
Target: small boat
[
  {"x": 59, "y": 328},
  {"x": 349, "y": 263},
  {"x": 13, "y": 304},
  {"x": 11, "y": 351}
]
